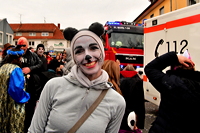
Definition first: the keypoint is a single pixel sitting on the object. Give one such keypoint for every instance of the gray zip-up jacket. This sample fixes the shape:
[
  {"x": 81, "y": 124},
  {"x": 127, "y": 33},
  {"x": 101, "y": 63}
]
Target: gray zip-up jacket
[{"x": 64, "y": 100}]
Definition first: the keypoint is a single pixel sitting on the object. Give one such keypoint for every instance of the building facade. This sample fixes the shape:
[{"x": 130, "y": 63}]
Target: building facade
[
  {"x": 6, "y": 32},
  {"x": 159, "y": 7},
  {"x": 41, "y": 33}
]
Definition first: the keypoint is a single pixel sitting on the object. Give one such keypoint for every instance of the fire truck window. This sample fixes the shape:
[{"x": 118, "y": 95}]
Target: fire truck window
[
  {"x": 126, "y": 40},
  {"x": 119, "y": 44}
]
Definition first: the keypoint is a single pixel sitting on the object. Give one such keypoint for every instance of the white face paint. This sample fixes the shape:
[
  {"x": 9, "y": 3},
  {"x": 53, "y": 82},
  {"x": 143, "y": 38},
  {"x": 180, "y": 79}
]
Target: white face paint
[
  {"x": 87, "y": 54},
  {"x": 40, "y": 51}
]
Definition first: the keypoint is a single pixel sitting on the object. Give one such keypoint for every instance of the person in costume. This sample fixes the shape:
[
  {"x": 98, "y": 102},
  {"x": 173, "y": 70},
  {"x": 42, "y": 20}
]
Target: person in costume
[
  {"x": 65, "y": 99},
  {"x": 13, "y": 95},
  {"x": 31, "y": 65},
  {"x": 40, "y": 52},
  {"x": 131, "y": 86},
  {"x": 37, "y": 76},
  {"x": 179, "y": 88}
]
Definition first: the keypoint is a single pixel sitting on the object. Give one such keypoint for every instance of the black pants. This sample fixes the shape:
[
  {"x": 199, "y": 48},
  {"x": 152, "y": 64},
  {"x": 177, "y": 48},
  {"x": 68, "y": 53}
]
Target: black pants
[{"x": 29, "y": 108}]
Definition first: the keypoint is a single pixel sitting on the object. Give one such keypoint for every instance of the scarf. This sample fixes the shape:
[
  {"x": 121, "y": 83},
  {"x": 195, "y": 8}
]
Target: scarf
[{"x": 102, "y": 79}]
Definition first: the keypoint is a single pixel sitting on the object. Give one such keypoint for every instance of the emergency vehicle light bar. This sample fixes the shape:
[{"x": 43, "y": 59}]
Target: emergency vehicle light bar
[
  {"x": 118, "y": 23},
  {"x": 113, "y": 23}
]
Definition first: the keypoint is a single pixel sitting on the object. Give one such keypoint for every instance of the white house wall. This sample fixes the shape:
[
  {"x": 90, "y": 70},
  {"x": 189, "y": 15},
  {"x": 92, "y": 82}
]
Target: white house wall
[{"x": 54, "y": 43}]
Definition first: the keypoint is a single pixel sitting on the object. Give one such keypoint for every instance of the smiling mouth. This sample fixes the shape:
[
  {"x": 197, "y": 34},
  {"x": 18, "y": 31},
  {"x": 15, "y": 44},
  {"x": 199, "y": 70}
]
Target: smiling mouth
[{"x": 91, "y": 64}]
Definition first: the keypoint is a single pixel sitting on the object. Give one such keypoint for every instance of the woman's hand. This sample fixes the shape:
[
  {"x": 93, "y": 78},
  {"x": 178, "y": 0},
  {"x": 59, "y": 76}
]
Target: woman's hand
[{"x": 185, "y": 61}]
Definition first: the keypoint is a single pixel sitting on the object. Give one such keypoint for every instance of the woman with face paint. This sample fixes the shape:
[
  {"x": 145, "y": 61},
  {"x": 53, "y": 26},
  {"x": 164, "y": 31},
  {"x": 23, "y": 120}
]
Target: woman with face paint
[{"x": 65, "y": 99}]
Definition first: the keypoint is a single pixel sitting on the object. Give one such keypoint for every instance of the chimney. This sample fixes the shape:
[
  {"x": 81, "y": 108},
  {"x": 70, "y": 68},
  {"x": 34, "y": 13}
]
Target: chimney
[{"x": 59, "y": 25}]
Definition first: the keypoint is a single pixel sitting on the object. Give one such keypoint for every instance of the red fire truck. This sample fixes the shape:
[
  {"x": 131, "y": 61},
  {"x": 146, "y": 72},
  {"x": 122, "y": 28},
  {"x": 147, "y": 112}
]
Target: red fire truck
[{"x": 124, "y": 41}]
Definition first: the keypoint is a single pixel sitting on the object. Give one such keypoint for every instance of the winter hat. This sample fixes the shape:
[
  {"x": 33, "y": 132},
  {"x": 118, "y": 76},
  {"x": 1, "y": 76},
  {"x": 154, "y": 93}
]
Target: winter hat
[
  {"x": 15, "y": 51},
  {"x": 95, "y": 31},
  {"x": 7, "y": 46},
  {"x": 40, "y": 45}
]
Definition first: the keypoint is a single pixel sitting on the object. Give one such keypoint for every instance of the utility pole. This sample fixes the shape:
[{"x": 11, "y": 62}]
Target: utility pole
[
  {"x": 44, "y": 20},
  {"x": 20, "y": 15}
]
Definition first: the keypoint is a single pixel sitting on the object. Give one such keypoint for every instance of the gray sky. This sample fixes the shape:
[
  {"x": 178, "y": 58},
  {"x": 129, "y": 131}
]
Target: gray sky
[{"x": 71, "y": 13}]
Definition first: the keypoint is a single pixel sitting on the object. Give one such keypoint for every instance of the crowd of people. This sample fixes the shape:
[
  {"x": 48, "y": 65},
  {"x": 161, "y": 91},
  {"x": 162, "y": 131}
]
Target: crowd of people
[
  {"x": 41, "y": 92},
  {"x": 23, "y": 73}
]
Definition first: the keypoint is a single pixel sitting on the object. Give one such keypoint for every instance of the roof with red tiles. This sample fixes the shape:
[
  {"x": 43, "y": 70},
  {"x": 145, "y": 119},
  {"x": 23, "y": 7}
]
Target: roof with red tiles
[{"x": 37, "y": 27}]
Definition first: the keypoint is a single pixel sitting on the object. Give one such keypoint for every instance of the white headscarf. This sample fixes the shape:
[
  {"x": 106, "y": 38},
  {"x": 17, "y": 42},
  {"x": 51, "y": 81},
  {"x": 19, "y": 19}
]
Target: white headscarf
[{"x": 77, "y": 73}]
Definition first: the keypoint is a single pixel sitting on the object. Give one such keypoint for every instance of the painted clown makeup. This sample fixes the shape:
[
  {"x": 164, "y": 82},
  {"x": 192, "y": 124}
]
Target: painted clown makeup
[
  {"x": 87, "y": 55},
  {"x": 40, "y": 51}
]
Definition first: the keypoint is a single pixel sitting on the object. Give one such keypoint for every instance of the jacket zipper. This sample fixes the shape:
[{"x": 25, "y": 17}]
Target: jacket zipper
[{"x": 86, "y": 93}]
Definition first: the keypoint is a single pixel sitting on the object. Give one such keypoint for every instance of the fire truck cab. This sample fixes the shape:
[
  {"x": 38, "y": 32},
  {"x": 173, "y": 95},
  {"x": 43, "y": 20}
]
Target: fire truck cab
[{"x": 124, "y": 41}]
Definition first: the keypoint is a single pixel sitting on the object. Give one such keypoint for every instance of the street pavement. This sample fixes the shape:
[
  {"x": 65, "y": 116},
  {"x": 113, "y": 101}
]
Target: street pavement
[{"x": 150, "y": 115}]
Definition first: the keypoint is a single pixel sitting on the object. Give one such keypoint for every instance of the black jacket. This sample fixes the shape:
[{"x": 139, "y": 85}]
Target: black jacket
[
  {"x": 44, "y": 63},
  {"x": 44, "y": 77},
  {"x": 131, "y": 86},
  {"x": 179, "y": 110},
  {"x": 31, "y": 60}
]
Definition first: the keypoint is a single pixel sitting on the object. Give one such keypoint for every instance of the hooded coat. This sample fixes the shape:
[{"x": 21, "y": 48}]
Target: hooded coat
[
  {"x": 180, "y": 96},
  {"x": 69, "y": 63},
  {"x": 69, "y": 103}
]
